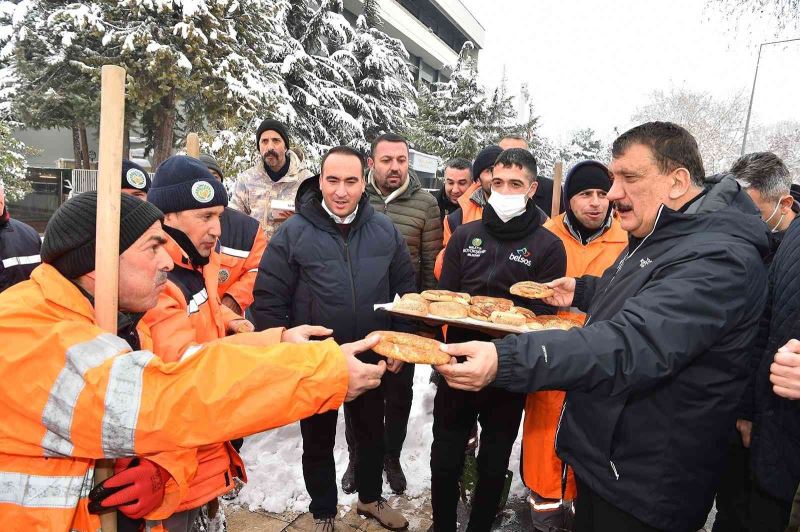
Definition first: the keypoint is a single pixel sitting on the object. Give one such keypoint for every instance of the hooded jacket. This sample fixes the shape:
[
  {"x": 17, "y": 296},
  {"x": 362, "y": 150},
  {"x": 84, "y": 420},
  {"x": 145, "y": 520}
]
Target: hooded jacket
[
  {"x": 60, "y": 415},
  {"x": 19, "y": 250},
  {"x": 416, "y": 214},
  {"x": 311, "y": 274},
  {"x": 654, "y": 377},
  {"x": 774, "y": 449}
]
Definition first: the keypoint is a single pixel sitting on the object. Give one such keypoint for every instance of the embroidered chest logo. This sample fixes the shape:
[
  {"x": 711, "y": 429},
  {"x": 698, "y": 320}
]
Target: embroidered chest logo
[
  {"x": 475, "y": 249},
  {"x": 522, "y": 256},
  {"x": 224, "y": 275},
  {"x": 644, "y": 262}
]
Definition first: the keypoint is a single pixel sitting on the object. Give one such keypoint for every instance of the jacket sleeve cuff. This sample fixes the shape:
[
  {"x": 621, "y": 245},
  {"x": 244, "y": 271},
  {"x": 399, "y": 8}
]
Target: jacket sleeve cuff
[
  {"x": 580, "y": 291},
  {"x": 506, "y": 350}
]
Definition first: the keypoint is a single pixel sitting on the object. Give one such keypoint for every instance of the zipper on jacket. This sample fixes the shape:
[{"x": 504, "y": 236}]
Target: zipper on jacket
[
  {"x": 626, "y": 257},
  {"x": 352, "y": 282},
  {"x": 614, "y": 468},
  {"x": 558, "y": 427}
]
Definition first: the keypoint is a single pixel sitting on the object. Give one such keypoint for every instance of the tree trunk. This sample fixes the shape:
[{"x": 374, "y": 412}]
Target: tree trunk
[
  {"x": 76, "y": 147},
  {"x": 165, "y": 125},
  {"x": 85, "y": 148}
]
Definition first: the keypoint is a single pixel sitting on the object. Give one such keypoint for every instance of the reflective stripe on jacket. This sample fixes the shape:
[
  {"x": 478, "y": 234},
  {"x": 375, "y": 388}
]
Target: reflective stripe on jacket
[
  {"x": 242, "y": 244},
  {"x": 540, "y": 466},
  {"x": 80, "y": 394}
]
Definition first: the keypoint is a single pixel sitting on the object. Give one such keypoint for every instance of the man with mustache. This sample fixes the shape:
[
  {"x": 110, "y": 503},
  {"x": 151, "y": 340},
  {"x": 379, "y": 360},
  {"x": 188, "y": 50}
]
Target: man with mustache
[
  {"x": 593, "y": 240},
  {"x": 274, "y": 178},
  {"x": 654, "y": 376},
  {"x": 75, "y": 393}
]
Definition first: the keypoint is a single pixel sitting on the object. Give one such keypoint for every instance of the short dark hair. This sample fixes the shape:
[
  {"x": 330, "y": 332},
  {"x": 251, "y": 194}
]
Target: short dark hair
[
  {"x": 386, "y": 137},
  {"x": 765, "y": 172},
  {"x": 344, "y": 150},
  {"x": 673, "y": 147},
  {"x": 518, "y": 157},
  {"x": 459, "y": 163}
]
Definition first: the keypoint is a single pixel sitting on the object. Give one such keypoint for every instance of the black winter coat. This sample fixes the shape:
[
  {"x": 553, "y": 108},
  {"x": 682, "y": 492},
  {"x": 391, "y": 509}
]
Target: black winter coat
[
  {"x": 479, "y": 263},
  {"x": 775, "y": 445},
  {"x": 19, "y": 251},
  {"x": 311, "y": 275},
  {"x": 654, "y": 378}
]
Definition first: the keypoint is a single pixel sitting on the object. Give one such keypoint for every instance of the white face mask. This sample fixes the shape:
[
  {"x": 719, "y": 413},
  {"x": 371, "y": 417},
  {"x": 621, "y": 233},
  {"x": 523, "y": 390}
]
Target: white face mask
[
  {"x": 780, "y": 220},
  {"x": 508, "y": 206}
]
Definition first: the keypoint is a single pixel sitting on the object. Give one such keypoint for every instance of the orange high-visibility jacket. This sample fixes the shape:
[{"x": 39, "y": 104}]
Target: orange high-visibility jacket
[
  {"x": 540, "y": 466},
  {"x": 242, "y": 244},
  {"x": 189, "y": 313},
  {"x": 73, "y": 393},
  {"x": 470, "y": 211}
]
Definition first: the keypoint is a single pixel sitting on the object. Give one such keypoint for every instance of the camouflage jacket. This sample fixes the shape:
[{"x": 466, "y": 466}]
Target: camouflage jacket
[{"x": 254, "y": 191}]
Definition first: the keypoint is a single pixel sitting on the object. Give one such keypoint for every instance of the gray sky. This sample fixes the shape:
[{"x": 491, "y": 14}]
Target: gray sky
[{"x": 590, "y": 64}]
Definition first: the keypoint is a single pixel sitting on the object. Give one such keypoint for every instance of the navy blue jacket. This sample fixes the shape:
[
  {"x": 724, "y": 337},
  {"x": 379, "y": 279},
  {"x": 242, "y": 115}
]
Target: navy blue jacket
[
  {"x": 654, "y": 378},
  {"x": 775, "y": 445},
  {"x": 19, "y": 251},
  {"x": 311, "y": 275}
]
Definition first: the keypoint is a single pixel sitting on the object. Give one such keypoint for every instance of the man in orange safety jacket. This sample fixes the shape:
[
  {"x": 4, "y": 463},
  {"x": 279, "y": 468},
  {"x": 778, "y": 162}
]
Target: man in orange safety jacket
[
  {"x": 74, "y": 393},
  {"x": 593, "y": 240}
]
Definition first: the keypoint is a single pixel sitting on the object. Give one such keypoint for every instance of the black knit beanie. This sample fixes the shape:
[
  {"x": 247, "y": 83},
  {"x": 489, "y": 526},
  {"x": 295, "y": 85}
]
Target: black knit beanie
[
  {"x": 586, "y": 175},
  {"x": 134, "y": 176},
  {"x": 211, "y": 164},
  {"x": 183, "y": 183},
  {"x": 69, "y": 238},
  {"x": 485, "y": 159},
  {"x": 272, "y": 125}
]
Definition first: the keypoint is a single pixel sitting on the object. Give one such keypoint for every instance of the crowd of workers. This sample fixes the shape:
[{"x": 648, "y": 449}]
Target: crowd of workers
[{"x": 678, "y": 388}]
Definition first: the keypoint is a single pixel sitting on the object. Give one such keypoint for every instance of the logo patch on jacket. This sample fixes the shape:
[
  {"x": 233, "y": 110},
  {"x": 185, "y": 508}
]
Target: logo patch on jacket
[
  {"x": 644, "y": 262},
  {"x": 521, "y": 256},
  {"x": 223, "y": 275},
  {"x": 475, "y": 249}
]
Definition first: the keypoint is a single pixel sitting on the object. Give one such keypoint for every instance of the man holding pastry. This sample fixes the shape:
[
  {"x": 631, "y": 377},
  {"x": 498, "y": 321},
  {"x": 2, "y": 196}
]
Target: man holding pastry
[
  {"x": 329, "y": 265},
  {"x": 654, "y": 377},
  {"x": 485, "y": 258}
]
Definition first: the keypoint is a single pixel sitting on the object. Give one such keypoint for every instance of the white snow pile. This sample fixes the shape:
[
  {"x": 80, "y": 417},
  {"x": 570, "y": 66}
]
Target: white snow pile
[{"x": 275, "y": 473}]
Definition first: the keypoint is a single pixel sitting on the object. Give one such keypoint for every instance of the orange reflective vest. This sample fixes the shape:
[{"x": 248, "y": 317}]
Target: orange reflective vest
[
  {"x": 242, "y": 244},
  {"x": 541, "y": 467},
  {"x": 189, "y": 313},
  {"x": 470, "y": 211},
  {"x": 73, "y": 393}
]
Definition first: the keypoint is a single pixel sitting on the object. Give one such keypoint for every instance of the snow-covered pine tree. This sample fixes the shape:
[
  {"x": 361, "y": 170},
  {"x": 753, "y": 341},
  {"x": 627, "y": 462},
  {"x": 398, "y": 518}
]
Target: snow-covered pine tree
[
  {"x": 381, "y": 76},
  {"x": 50, "y": 90},
  {"x": 453, "y": 114},
  {"x": 12, "y": 164},
  {"x": 200, "y": 57},
  {"x": 584, "y": 145}
]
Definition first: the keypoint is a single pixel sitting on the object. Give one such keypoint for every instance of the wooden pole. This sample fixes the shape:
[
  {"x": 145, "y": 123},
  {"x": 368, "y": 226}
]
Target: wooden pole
[
  {"x": 555, "y": 208},
  {"x": 193, "y": 145},
  {"x": 112, "y": 123}
]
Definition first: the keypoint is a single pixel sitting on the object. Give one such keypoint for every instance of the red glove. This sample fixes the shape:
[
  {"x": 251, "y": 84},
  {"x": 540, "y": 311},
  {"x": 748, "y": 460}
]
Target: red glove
[{"x": 135, "y": 489}]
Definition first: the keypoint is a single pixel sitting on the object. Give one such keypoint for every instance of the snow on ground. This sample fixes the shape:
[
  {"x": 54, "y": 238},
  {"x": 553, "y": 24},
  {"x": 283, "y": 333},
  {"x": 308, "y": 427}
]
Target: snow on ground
[{"x": 275, "y": 474}]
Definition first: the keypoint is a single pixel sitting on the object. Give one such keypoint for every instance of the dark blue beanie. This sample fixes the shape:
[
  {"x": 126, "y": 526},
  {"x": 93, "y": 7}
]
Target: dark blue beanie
[
  {"x": 134, "y": 176},
  {"x": 485, "y": 159},
  {"x": 183, "y": 183}
]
